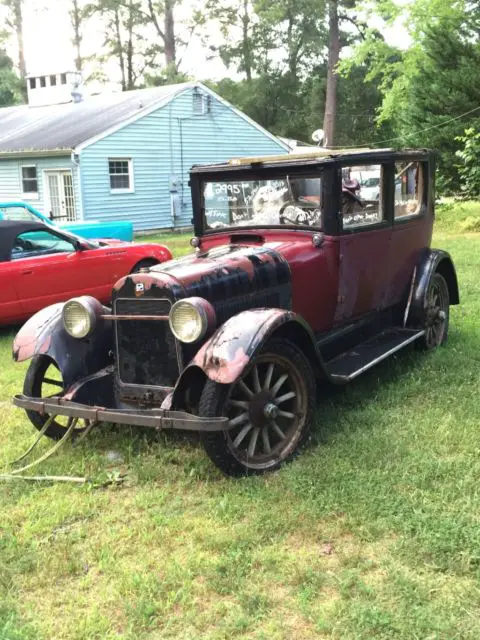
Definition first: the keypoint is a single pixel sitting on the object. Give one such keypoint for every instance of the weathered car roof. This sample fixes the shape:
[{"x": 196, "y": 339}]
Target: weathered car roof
[
  {"x": 9, "y": 230},
  {"x": 318, "y": 155}
]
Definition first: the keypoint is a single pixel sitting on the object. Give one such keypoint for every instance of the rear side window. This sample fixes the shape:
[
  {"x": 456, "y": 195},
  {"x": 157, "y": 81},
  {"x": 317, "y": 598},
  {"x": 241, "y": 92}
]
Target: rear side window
[
  {"x": 362, "y": 196},
  {"x": 37, "y": 243},
  {"x": 409, "y": 185}
]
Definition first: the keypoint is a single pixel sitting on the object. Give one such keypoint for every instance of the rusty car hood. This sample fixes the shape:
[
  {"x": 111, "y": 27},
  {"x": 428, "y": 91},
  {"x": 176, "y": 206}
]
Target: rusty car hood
[{"x": 231, "y": 277}]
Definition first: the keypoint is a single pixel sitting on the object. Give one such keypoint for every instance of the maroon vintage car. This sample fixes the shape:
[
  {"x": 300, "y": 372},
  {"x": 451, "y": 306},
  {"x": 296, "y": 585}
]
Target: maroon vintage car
[{"x": 294, "y": 279}]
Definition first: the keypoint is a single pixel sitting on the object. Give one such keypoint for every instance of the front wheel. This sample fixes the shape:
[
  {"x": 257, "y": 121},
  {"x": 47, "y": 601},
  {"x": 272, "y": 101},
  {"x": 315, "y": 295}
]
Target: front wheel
[
  {"x": 270, "y": 409},
  {"x": 44, "y": 380}
]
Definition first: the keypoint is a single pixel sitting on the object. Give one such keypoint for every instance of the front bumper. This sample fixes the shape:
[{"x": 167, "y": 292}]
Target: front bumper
[{"x": 157, "y": 418}]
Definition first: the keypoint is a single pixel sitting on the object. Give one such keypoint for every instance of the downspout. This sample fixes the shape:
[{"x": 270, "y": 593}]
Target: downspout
[{"x": 75, "y": 159}]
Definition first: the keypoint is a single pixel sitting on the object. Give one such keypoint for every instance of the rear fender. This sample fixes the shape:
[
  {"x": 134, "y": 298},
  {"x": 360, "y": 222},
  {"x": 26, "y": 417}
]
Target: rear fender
[
  {"x": 433, "y": 261},
  {"x": 225, "y": 356},
  {"x": 44, "y": 334}
]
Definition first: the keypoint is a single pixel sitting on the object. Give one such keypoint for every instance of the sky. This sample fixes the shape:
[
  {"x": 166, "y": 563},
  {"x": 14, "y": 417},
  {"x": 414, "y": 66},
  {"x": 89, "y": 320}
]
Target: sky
[{"x": 48, "y": 47}]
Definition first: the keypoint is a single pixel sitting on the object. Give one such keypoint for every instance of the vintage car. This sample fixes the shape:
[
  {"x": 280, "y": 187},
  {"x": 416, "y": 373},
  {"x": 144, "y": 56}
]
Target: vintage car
[
  {"x": 233, "y": 340},
  {"x": 41, "y": 265},
  {"x": 91, "y": 229}
]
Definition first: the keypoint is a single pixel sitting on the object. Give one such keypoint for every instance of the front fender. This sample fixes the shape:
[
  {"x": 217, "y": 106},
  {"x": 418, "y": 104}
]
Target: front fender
[
  {"x": 228, "y": 352},
  {"x": 432, "y": 261},
  {"x": 44, "y": 334}
]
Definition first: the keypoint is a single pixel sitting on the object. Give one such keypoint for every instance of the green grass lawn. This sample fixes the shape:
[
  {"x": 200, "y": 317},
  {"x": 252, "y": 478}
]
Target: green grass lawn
[{"x": 372, "y": 532}]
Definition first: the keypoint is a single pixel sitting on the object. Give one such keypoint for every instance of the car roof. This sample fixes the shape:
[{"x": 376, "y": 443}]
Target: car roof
[
  {"x": 9, "y": 230},
  {"x": 317, "y": 156}
]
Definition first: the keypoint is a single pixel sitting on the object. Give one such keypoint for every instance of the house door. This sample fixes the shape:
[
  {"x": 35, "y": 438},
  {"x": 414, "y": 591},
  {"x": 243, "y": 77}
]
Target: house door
[{"x": 60, "y": 196}]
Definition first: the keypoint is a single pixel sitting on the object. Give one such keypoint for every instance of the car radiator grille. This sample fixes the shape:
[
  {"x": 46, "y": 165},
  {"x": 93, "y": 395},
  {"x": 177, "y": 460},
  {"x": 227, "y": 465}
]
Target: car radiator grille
[{"x": 146, "y": 349}]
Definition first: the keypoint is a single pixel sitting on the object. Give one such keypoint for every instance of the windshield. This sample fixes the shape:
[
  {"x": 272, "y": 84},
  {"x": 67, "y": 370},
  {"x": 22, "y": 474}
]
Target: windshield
[{"x": 283, "y": 200}]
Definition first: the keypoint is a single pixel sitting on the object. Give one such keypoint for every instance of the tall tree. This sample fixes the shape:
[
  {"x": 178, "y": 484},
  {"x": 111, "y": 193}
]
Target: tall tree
[
  {"x": 332, "y": 74},
  {"x": 77, "y": 15},
  {"x": 14, "y": 22}
]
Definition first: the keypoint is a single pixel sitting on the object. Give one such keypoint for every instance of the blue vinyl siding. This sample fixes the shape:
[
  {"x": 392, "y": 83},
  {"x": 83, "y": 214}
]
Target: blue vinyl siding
[
  {"x": 163, "y": 145},
  {"x": 11, "y": 180}
]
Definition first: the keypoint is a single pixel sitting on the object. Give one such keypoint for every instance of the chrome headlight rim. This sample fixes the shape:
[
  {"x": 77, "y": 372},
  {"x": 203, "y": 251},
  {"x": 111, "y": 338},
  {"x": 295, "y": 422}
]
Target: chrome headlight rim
[
  {"x": 90, "y": 308},
  {"x": 206, "y": 315}
]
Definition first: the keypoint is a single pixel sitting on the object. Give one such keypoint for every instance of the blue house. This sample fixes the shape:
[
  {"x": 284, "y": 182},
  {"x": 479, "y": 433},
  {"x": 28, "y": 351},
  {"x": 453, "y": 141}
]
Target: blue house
[{"x": 122, "y": 156}]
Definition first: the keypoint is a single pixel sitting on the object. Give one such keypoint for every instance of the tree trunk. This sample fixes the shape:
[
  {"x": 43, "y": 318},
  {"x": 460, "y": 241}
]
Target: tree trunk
[
  {"x": 119, "y": 48},
  {"x": 130, "y": 73},
  {"x": 169, "y": 40},
  {"x": 332, "y": 77},
  {"x": 77, "y": 34},
  {"x": 247, "y": 61},
  {"x": 17, "y": 24}
]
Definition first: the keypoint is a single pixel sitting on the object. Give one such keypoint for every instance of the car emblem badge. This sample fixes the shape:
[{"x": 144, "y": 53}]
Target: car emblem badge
[{"x": 139, "y": 289}]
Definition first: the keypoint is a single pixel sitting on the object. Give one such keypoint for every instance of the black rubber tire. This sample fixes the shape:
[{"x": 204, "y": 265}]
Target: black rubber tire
[
  {"x": 214, "y": 399},
  {"x": 143, "y": 264},
  {"x": 32, "y": 387},
  {"x": 425, "y": 343}
]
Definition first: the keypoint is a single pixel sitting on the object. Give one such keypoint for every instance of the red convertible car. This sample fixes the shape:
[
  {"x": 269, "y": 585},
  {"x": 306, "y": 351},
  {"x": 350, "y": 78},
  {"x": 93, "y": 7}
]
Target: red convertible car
[{"x": 40, "y": 266}]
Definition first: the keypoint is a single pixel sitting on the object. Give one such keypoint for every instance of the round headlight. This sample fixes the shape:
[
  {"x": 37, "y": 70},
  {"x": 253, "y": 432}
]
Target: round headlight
[
  {"x": 191, "y": 318},
  {"x": 79, "y": 317}
]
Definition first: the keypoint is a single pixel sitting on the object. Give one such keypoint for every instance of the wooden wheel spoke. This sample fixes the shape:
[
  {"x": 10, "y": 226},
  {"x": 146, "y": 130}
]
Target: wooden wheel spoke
[
  {"x": 246, "y": 390},
  {"x": 253, "y": 442},
  {"x": 238, "y": 420},
  {"x": 56, "y": 383},
  {"x": 268, "y": 377},
  {"x": 241, "y": 404},
  {"x": 266, "y": 440},
  {"x": 276, "y": 387},
  {"x": 287, "y": 414},
  {"x": 285, "y": 397},
  {"x": 277, "y": 430},
  {"x": 256, "y": 380},
  {"x": 241, "y": 435}
]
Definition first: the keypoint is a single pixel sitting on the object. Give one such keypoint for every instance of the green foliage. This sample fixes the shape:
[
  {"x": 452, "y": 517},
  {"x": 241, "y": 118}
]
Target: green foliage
[
  {"x": 469, "y": 154},
  {"x": 430, "y": 84},
  {"x": 10, "y": 83}
]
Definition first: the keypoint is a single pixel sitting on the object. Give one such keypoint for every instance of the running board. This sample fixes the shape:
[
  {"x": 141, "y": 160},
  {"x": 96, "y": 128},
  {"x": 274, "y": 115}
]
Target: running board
[{"x": 365, "y": 355}]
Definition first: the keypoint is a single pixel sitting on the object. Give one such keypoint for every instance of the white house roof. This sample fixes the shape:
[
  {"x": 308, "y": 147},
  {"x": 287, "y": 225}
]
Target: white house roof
[{"x": 63, "y": 127}]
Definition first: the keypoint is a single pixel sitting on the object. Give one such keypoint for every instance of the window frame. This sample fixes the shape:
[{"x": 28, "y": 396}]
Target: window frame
[
  {"x": 122, "y": 190},
  {"x": 384, "y": 200},
  {"x": 30, "y": 195},
  {"x": 422, "y": 207}
]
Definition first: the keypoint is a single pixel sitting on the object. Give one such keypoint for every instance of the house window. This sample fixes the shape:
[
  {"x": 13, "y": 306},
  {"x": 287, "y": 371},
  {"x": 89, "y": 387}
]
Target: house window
[
  {"x": 200, "y": 103},
  {"x": 121, "y": 175},
  {"x": 29, "y": 182},
  {"x": 63, "y": 78},
  {"x": 32, "y": 82},
  {"x": 43, "y": 81},
  {"x": 53, "y": 81}
]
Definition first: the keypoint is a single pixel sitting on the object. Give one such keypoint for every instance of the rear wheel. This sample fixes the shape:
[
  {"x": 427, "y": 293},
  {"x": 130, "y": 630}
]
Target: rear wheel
[
  {"x": 143, "y": 264},
  {"x": 269, "y": 408},
  {"x": 44, "y": 380},
  {"x": 436, "y": 313}
]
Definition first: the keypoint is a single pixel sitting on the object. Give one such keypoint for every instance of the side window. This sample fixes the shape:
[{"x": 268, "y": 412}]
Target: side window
[
  {"x": 362, "y": 196},
  {"x": 408, "y": 188},
  {"x": 39, "y": 243}
]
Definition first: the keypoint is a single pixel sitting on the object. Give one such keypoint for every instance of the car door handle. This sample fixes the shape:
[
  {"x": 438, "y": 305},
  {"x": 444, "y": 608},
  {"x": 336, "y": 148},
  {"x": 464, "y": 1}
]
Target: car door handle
[{"x": 27, "y": 272}]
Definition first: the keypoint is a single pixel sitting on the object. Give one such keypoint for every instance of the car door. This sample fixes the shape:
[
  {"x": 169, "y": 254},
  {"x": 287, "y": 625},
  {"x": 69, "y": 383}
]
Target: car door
[
  {"x": 45, "y": 268},
  {"x": 412, "y": 224},
  {"x": 365, "y": 237},
  {"x": 10, "y": 307}
]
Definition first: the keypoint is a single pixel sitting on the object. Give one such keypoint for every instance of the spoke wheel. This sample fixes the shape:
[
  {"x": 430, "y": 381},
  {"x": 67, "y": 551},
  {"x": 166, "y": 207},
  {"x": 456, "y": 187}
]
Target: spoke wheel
[
  {"x": 269, "y": 409},
  {"x": 44, "y": 380},
  {"x": 436, "y": 313}
]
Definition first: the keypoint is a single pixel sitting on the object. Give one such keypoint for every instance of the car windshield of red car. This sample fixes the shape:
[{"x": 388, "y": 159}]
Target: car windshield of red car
[{"x": 284, "y": 200}]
